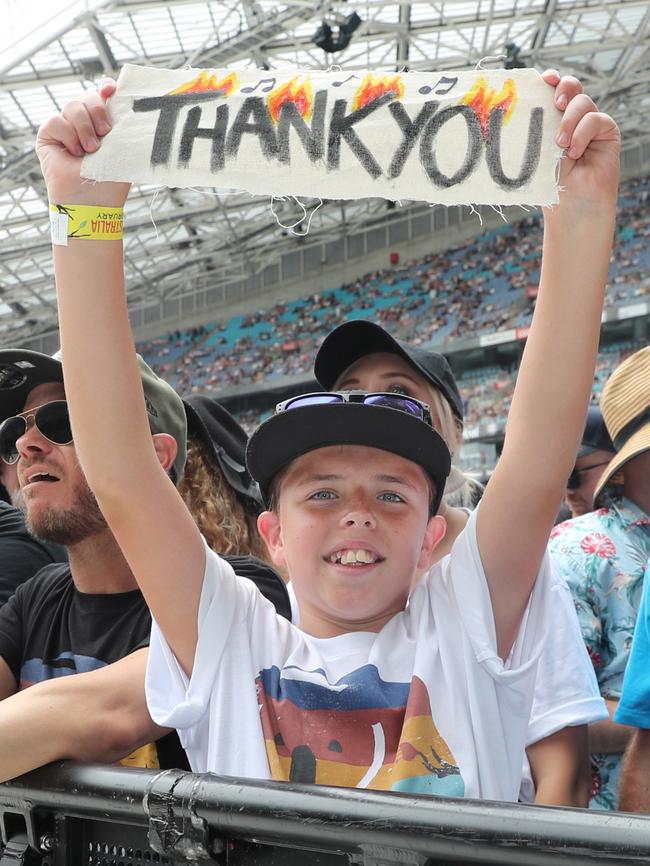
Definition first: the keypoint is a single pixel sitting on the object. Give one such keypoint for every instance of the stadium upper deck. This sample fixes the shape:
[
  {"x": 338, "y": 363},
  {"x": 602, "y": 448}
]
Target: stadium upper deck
[{"x": 482, "y": 288}]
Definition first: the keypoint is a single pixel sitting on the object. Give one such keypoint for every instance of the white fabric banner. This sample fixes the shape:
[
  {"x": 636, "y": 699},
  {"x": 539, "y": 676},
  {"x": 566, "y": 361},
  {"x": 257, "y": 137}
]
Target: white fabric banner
[{"x": 482, "y": 137}]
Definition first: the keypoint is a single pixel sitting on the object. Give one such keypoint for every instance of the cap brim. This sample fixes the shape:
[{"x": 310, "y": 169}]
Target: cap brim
[
  {"x": 38, "y": 369},
  {"x": 295, "y": 432},
  {"x": 635, "y": 445}
]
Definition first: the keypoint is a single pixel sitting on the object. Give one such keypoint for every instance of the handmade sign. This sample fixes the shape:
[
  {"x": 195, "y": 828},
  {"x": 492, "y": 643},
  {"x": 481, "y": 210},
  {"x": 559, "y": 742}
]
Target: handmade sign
[{"x": 483, "y": 137}]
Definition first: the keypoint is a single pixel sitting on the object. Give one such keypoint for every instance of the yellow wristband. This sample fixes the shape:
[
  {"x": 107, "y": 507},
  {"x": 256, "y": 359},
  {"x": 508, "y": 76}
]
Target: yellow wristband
[{"x": 86, "y": 222}]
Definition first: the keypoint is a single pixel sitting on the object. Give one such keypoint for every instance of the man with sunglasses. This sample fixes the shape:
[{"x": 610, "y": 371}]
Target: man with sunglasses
[
  {"x": 76, "y": 618},
  {"x": 595, "y": 452},
  {"x": 21, "y": 554},
  {"x": 89, "y": 619}
]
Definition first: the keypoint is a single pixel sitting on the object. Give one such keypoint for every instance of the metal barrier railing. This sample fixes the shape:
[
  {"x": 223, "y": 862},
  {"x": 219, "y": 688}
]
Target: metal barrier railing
[{"x": 108, "y": 816}]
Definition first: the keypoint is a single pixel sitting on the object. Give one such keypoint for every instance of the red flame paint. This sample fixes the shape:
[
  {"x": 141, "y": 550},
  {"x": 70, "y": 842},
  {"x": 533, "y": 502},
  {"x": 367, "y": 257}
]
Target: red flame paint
[
  {"x": 206, "y": 83},
  {"x": 372, "y": 88},
  {"x": 483, "y": 100},
  {"x": 298, "y": 93}
]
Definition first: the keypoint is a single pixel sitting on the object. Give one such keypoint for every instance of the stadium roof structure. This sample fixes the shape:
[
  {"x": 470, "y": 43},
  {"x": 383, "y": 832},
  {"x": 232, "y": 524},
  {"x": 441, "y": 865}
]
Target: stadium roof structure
[{"x": 193, "y": 245}]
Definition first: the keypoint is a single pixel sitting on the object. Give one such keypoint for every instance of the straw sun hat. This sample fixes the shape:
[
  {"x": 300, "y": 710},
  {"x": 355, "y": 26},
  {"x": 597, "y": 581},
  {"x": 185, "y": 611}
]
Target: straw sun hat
[{"x": 625, "y": 404}]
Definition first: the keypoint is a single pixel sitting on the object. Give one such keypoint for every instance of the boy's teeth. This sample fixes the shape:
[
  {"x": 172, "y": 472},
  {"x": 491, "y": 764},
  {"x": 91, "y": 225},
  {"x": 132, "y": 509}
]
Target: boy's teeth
[{"x": 349, "y": 557}]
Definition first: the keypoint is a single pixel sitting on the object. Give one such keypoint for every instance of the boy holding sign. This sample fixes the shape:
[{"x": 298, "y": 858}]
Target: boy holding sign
[{"x": 432, "y": 696}]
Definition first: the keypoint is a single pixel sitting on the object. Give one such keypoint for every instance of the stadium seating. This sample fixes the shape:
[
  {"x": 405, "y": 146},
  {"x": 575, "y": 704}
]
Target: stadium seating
[{"x": 485, "y": 285}]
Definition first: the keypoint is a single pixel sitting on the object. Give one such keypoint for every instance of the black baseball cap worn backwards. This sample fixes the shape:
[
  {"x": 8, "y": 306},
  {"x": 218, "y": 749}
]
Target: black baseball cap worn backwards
[
  {"x": 352, "y": 341},
  {"x": 289, "y": 434}
]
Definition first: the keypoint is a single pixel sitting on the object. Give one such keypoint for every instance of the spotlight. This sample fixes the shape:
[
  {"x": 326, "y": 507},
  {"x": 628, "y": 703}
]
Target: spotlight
[
  {"x": 513, "y": 61},
  {"x": 324, "y": 37},
  {"x": 351, "y": 23}
]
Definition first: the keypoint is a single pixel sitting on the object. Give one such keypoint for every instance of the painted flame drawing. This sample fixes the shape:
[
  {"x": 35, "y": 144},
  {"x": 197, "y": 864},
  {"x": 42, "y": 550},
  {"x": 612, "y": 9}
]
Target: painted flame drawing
[
  {"x": 372, "y": 88},
  {"x": 483, "y": 100},
  {"x": 292, "y": 91},
  {"x": 206, "y": 83}
]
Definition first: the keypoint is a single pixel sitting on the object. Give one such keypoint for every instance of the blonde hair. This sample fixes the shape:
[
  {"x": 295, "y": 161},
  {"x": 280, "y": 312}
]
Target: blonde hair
[
  {"x": 451, "y": 427},
  {"x": 227, "y": 521},
  {"x": 451, "y": 430},
  {"x": 467, "y": 496}
]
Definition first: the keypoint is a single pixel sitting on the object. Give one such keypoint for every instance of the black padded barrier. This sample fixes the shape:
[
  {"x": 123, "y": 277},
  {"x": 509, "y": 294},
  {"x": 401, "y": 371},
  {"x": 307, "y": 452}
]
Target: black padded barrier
[{"x": 85, "y": 815}]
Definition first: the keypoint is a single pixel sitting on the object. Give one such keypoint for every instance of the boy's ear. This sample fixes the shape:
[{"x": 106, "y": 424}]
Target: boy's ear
[
  {"x": 435, "y": 532},
  {"x": 268, "y": 524},
  {"x": 166, "y": 449}
]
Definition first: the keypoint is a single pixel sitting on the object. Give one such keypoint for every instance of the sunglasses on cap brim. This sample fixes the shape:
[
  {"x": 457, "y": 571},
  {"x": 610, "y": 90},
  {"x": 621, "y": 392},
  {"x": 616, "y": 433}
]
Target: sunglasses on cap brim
[
  {"x": 51, "y": 420},
  {"x": 383, "y": 399}
]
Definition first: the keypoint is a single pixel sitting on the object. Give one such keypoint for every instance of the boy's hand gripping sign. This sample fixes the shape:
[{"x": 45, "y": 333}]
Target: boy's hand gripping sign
[{"x": 483, "y": 137}]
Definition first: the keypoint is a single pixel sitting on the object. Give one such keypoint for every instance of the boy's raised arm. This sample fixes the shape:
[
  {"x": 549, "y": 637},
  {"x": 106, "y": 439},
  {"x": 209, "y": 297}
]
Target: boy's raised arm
[
  {"x": 103, "y": 387},
  {"x": 555, "y": 378}
]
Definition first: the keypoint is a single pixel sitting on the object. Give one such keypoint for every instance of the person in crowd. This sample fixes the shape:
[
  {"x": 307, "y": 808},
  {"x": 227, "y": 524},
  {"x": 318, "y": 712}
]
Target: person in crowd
[
  {"x": 85, "y": 616},
  {"x": 21, "y": 553},
  {"x": 352, "y": 490},
  {"x": 603, "y": 555},
  {"x": 362, "y": 355},
  {"x": 595, "y": 452},
  {"x": 634, "y": 707},
  {"x": 216, "y": 487}
]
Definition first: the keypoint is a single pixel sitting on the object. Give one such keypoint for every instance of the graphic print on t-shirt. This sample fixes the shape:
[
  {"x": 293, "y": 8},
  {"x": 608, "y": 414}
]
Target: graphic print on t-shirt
[
  {"x": 37, "y": 671},
  {"x": 357, "y": 732},
  {"x": 66, "y": 664}
]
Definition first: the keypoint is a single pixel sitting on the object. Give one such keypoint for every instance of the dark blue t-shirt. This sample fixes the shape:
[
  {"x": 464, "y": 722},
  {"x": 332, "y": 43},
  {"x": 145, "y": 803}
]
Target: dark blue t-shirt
[{"x": 21, "y": 555}]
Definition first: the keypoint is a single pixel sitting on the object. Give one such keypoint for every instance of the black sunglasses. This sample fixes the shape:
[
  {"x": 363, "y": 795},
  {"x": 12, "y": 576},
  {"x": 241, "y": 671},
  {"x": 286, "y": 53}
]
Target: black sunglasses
[
  {"x": 385, "y": 399},
  {"x": 51, "y": 420},
  {"x": 575, "y": 479}
]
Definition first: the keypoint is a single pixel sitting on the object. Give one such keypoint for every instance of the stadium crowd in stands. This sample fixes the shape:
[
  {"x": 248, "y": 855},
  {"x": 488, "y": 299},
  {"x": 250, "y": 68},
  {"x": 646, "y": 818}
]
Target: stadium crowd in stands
[{"x": 486, "y": 285}]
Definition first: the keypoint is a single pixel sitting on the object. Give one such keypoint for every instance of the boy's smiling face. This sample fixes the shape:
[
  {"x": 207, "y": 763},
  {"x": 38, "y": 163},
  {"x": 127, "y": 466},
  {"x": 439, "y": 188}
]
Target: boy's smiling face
[{"x": 352, "y": 527}]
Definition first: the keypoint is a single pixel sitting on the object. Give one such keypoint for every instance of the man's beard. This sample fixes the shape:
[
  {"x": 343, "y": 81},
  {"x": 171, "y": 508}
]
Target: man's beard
[
  {"x": 71, "y": 526},
  {"x": 17, "y": 499}
]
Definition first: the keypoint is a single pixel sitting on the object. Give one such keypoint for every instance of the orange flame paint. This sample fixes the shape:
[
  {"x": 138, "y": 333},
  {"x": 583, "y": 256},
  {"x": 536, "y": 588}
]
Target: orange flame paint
[
  {"x": 372, "y": 88},
  {"x": 483, "y": 100},
  {"x": 291, "y": 91},
  {"x": 206, "y": 83}
]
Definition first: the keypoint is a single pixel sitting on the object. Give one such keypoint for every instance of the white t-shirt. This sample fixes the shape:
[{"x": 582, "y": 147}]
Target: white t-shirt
[
  {"x": 566, "y": 690},
  {"x": 424, "y": 706}
]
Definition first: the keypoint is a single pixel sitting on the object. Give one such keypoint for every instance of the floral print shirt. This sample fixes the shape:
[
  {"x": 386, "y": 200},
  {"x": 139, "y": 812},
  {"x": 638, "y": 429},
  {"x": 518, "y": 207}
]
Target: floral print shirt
[{"x": 602, "y": 556}]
